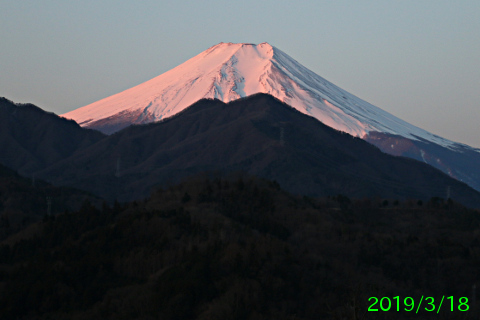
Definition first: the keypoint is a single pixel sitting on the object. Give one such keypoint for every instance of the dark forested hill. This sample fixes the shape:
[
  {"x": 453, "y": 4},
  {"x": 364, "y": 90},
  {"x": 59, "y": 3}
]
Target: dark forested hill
[
  {"x": 242, "y": 248},
  {"x": 26, "y": 201},
  {"x": 258, "y": 135},
  {"x": 32, "y": 139}
]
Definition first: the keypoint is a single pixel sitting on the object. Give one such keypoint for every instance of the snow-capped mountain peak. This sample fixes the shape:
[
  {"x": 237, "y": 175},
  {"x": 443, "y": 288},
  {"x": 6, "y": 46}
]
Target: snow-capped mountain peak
[{"x": 228, "y": 71}]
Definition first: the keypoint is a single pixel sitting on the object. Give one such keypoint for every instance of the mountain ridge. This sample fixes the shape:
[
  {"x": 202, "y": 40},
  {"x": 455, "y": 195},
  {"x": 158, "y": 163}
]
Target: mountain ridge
[
  {"x": 119, "y": 167},
  {"x": 258, "y": 135},
  {"x": 32, "y": 139}
]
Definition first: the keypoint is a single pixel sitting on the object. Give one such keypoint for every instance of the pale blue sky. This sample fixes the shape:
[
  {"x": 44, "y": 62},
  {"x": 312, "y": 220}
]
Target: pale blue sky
[{"x": 419, "y": 60}]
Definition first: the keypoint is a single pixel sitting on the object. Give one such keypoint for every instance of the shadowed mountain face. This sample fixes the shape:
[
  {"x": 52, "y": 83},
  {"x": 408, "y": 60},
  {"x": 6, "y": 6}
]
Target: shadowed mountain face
[
  {"x": 259, "y": 135},
  {"x": 461, "y": 163},
  {"x": 32, "y": 139}
]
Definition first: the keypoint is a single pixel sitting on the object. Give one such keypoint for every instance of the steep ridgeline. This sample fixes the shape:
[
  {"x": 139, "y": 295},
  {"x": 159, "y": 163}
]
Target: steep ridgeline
[
  {"x": 259, "y": 135},
  {"x": 229, "y": 71},
  {"x": 32, "y": 139}
]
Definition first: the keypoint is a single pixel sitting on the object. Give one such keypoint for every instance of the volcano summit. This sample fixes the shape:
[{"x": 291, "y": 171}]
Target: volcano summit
[{"x": 229, "y": 71}]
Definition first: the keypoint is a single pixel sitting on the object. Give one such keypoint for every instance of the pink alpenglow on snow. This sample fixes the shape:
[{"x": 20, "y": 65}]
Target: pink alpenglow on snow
[{"x": 228, "y": 71}]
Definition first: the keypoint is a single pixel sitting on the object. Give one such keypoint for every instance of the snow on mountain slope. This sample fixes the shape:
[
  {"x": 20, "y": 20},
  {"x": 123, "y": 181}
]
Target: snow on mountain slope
[{"x": 229, "y": 71}]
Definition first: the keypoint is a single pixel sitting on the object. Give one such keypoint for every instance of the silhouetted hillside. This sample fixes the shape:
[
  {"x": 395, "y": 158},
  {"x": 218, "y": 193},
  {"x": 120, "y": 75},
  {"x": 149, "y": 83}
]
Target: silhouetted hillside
[
  {"x": 242, "y": 248},
  {"x": 258, "y": 135},
  {"x": 32, "y": 139}
]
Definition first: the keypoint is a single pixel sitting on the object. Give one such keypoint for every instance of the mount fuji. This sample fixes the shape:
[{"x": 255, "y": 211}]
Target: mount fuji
[{"x": 230, "y": 71}]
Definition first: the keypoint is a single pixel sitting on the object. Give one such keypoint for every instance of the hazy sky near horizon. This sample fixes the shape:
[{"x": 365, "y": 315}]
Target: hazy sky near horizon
[{"x": 419, "y": 60}]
